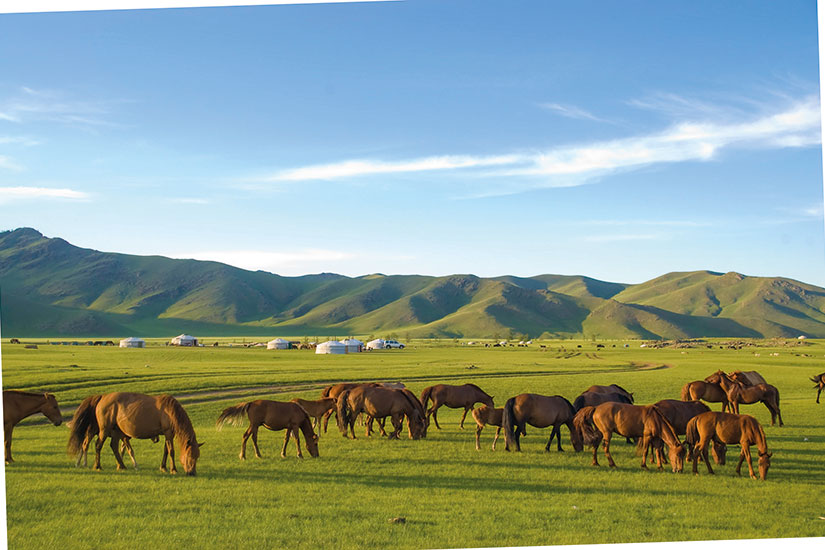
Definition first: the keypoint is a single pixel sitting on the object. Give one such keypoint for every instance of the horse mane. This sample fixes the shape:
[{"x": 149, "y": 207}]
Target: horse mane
[
  {"x": 569, "y": 405},
  {"x": 621, "y": 388},
  {"x": 667, "y": 425},
  {"x": 416, "y": 405},
  {"x": 180, "y": 420},
  {"x": 30, "y": 393},
  {"x": 479, "y": 389}
]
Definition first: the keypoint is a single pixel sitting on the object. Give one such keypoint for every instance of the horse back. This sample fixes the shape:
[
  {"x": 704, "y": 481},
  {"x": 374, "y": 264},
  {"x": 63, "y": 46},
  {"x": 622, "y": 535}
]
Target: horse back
[{"x": 135, "y": 415}]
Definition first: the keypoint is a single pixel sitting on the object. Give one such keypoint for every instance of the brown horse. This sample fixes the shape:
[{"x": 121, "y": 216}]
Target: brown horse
[
  {"x": 731, "y": 429},
  {"x": 275, "y": 416},
  {"x": 645, "y": 422},
  {"x": 679, "y": 413},
  {"x": 454, "y": 397},
  {"x": 92, "y": 431},
  {"x": 819, "y": 380},
  {"x": 379, "y": 403},
  {"x": 134, "y": 415},
  {"x": 706, "y": 391},
  {"x": 483, "y": 416},
  {"x": 612, "y": 388},
  {"x": 318, "y": 409},
  {"x": 17, "y": 405},
  {"x": 737, "y": 393},
  {"x": 540, "y": 411}
]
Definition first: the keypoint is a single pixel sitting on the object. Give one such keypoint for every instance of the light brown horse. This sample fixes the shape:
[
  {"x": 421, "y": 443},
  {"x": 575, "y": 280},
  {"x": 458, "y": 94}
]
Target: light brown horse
[
  {"x": 646, "y": 422},
  {"x": 731, "y": 429},
  {"x": 92, "y": 431},
  {"x": 275, "y": 416},
  {"x": 17, "y": 405},
  {"x": 454, "y": 397},
  {"x": 819, "y": 380},
  {"x": 612, "y": 388},
  {"x": 747, "y": 395},
  {"x": 483, "y": 416},
  {"x": 379, "y": 402},
  {"x": 540, "y": 411},
  {"x": 138, "y": 416},
  {"x": 318, "y": 409},
  {"x": 706, "y": 391}
]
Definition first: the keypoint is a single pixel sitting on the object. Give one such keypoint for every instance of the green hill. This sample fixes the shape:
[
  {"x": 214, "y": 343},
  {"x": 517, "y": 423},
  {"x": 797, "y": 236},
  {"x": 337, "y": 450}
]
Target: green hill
[{"x": 49, "y": 287}]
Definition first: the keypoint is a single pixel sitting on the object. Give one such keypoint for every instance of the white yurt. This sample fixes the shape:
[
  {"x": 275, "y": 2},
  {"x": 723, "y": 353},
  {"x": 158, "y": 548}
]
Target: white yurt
[
  {"x": 184, "y": 340},
  {"x": 353, "y": 345},
  {"x": 133, "y": 342},
  {"x": 278, "y": 343},
  {"x": 333, "y": 346},
  {"x": 378, "y": 343}
]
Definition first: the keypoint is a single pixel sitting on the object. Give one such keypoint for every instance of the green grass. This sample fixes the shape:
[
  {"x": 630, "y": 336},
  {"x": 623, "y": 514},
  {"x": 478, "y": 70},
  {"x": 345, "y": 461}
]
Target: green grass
[{"x": 450, "y": 494}]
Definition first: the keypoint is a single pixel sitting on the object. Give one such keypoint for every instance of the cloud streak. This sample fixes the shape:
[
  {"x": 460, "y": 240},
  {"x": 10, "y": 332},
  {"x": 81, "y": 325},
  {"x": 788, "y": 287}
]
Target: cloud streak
[
  {"x": 797, "y": 125},
  {"x": 8, "y": 194},
  {"x": 571, "y": 111}
]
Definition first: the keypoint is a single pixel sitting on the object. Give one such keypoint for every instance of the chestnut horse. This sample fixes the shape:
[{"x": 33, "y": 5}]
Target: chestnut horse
[
  {"x": 706, "y": 391},
  {"x": 540, "y": 411},
  {"x": 380, "y": 402},
  {"x": 612, "y": 388},
  {"x": 318, "y": 409},
  {"x": 679, "y": 413},
  {"x": 483, "y": 416},
  {"x": 819, "y": 380},
  {"x": 730, "y": 429},
  {"x": 275, "y": 416},
  {"x": 454, "y": 397},
  {"x": 92, "y": 431},
  {"x": 645, "y": 422},
  {"x": 738, "y": 393},
  {"x": 17, "y": 405},
  {"x": 135, "y": 415}
]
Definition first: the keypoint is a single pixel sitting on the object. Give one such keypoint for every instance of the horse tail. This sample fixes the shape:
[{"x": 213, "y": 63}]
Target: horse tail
[
  {"x": 342, "y": 411},
  {"x": 83, "y": 422},
  {"x": 234, "y": 415},
  {"x": 691, "y": 435},
  {"x": 425, "y": 396},
  {"x": 583, "y": 424},
  {"x": 508, "y": 422}
]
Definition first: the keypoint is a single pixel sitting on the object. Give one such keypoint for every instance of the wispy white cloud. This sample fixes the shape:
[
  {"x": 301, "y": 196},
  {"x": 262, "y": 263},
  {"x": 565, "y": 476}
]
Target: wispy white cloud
[
  {"x": 620, "y": 238},
  {"x": 30, "y": 105},
  {"x": 9, "y": 164},
  {"x": 571, "y": 111},
  {"x": 8, "y": 194},
  {"x": 795, "y": 125}
]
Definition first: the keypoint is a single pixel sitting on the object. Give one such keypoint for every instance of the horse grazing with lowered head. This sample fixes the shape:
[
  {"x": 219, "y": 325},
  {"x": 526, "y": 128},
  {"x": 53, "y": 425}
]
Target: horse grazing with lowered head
[
  {"x": 454, "y": 397},
  {"x": 679, "y": 413},
  {"x": 379, "y": 402},
  {"x": 598, "y": 424},
  {"x": 738, "y": 393},
  {"x": 275, "y": 416},
  {"x": 17, "y": 405},
  {"x": 483, "y": 416},
  {"x": 317, "y": 409},
  {"x": 819, "y": 380},
  {"x": 122, "y": 415},
  {"x": 612, "y": 388},
  {"x": 539, "y": 411},
  {"x": 729, "y": 429}
]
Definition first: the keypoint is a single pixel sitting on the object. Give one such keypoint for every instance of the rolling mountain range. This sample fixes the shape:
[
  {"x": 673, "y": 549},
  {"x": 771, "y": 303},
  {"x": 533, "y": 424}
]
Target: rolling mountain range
[{"x": 50, "y": 288}]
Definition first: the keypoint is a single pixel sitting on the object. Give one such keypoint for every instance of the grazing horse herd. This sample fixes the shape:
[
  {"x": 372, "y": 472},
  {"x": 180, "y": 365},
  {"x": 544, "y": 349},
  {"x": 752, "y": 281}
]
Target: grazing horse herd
[{"x": 592, "y": 418}]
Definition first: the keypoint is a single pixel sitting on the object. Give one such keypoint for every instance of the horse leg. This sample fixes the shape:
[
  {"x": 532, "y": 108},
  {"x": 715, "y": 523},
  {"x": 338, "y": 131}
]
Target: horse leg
[
  {"x": 246, "y": 435},
  {"x": 646, "y": 440},
  {"x": 125, "y": 444},
  {"x": 434, "y": 410},
  {"x": 326, "y": 418},
  {"x": 498, "y": 432},
  {"x": 397, "y": 423},
  {"x": 297, "y": 441},
  {"x": 463, "y": 416},
  {"x": 115, "y": 445},
  {"x": 553, "y": 434},
  {"x": 818, "y": 391},
  {"x": 170, "y": 443},
  {"x": 101, "y": 438},
  {"x": 610, "y": 461},
  {"x": 595, "y": 455},
  {"x": 7, "y": 429},
  {"x": 478, "y": 436},
  {"x": 286, "y": 440},
  {"x": 255, "y": 442},
  {"x": 703, "y": 446}
]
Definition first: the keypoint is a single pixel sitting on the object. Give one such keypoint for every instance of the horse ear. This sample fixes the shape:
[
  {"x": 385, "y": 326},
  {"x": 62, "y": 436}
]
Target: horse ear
[
  {"x": 770, "y": 455},
  {"x": 200, "y": 445}
]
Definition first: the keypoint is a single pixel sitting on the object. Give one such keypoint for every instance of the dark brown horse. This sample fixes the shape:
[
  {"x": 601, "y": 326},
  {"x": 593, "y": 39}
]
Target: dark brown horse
[
  {"x": 748, "y": 378},
  {"x": 379, "y": 403},
  {"x": 747, "y": 395},
  {"x": 275, "y": 416},
  {"x": 318, "y": 409},
  {"x": 730, "y": 429},
  {"x": 134, "y": 415},
  {"x": 17, "y": 405},
  {"x": 454, "y": 397},
  {"x": 819, "y": 380},
  {"x": 540, "y": 411},
  {"x": 646, "y": 422},
  {"x": 483, "y": 416},
  {"x": 706, "y": 391},
  {"x": 612, "y": 388}
]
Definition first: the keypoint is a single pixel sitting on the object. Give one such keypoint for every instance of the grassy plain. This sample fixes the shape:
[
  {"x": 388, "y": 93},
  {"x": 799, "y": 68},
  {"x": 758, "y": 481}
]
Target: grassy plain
[{"x": 450, "y": 494}]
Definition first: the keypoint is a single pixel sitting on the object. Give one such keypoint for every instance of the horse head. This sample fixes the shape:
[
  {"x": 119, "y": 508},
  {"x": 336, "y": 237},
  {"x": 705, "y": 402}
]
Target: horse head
[
  {"x": 190, "y": 451},
  {"x": 720, "y": 452},
  {"x": 764, "y": 464},
  {"x": 51, "y": 409},
  {"x": 312, "y": 445},
  {"x": 677, "y": 457}
]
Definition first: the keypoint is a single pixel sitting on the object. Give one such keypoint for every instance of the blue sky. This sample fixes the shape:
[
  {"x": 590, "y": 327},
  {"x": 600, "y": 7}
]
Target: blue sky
[{"x": 616, "y": 140}]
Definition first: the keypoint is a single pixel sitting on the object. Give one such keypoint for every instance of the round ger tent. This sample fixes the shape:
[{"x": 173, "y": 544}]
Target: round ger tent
[
  {"x": 375, "y": 344},
  {"x": 353, "y": 345},
  {"x": 333, "y": 346},
  {"x": 278, "y": 343},
  {"x": 184, "y": 340},
  {"x": 133, "y": 342}
]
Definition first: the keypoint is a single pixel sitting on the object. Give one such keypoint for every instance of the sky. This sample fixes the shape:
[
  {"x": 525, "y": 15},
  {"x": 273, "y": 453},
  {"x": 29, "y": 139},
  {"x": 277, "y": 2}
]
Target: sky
[{"x": 621, "y": 141}]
